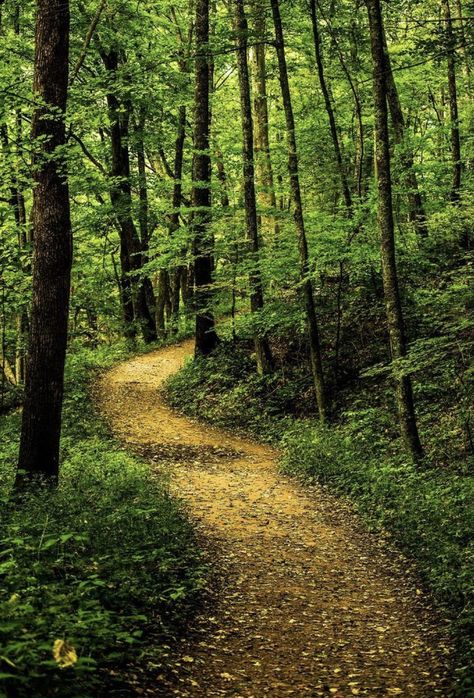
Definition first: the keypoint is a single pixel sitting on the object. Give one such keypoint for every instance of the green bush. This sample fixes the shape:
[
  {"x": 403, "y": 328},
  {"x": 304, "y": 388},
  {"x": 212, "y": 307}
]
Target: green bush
[
  {"x": 225, "y": 390},
  {"x": 430, "y": 514},
  {"x": 97, "y": 573}
]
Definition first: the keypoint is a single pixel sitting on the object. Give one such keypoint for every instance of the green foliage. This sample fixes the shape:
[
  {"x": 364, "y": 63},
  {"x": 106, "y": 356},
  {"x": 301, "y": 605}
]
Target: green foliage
[
  {"x": 225, "y": 390},
  {"x": 430, "y": 513},
  {"x": 107, "y": 563}
]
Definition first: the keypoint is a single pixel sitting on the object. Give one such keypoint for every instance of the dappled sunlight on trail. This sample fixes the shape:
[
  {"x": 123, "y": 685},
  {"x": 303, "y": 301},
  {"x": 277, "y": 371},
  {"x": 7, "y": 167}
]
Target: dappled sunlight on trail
[{"x": 308, "y": 602}]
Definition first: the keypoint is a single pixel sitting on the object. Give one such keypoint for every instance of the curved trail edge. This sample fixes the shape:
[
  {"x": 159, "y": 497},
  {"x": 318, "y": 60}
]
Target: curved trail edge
[{"x": 312, "y": 604}]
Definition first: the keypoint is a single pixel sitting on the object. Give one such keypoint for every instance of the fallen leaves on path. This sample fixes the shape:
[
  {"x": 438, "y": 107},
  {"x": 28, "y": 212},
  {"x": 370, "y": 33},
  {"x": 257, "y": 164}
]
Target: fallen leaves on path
[{"x": 309, "y": 603}]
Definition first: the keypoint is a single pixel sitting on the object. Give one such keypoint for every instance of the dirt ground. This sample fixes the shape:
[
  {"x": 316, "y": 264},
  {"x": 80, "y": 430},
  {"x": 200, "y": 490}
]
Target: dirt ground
[{"x": 311, "y": 603}]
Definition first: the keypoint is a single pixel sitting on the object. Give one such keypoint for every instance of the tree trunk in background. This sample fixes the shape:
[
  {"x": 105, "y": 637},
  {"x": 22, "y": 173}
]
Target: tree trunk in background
[
  {"x": 346, "y": 192},
  {"x": 143, "y": 211},
  {"x": 307, "y": 286},
  {"x": 206, "y": 337},
  {"x": 453, "y": 105},
  {"x": 176, "y": 274},
  {"x": 360, "y": 159},
  {"x": 41, "y": 421},
  {"x": 417, "y": 212},
  {"x": 465, "y": 49},
  {"x": 262, "y": 347},
  {"x": 134, "y": 300},
  {"x": 163, "y": 302},
  {"x": 393, "y": 307},
  {"x": 263, "y": 160}
]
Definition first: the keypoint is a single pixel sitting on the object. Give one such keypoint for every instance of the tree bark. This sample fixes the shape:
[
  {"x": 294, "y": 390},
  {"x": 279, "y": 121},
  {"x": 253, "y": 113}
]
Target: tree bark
[
  {"x": 143, "y": 213},
  {"x": 176, "y": 273},
  {"x": 262, "y": 346},
  {"x": 263, "y": 161},
  {"x": 346, "y": 192},
  {"x": 41, "y": 421},
  {"x": 307, "y": 285},
  {"x": 453, "y": 106},
  {"x": 206, "y": 337},
  {"x": 396, "y": 330},
  {"x": 134, "y": 300},
  {"x": 417, "y": 213}
]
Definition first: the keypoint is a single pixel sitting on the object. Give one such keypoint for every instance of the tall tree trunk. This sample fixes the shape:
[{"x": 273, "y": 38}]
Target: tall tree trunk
[
  {"x": 465, "y": 49},
  {"x": 41, "y": 421},
  {"x": 417, "y": 211},
  {"x": 453, "y": 105},
  {"x": 177, "y": 272},
  {"x": 263, "y": 160},
  {"x": 393, "y": 306},
  {"x": 262, "y": 346},
  {"x": 206, "y": 337},
  {"x": 346, "y": 192},
  {"x": 134, "y": 300},
  {"x": 307, "y": 285},
  {"x": 360, "y": 159},
  {"x": 143, "y": 213}
]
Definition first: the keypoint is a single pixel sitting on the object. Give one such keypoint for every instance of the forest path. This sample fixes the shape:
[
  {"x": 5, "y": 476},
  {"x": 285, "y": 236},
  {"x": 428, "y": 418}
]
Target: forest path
[{"x": 311, "y": 604}]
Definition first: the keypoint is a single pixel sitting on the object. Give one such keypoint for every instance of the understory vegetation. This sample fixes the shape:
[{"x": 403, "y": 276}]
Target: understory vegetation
[
  {"x": 429, "y": 510},
  {"x": 98, "y": 574}
]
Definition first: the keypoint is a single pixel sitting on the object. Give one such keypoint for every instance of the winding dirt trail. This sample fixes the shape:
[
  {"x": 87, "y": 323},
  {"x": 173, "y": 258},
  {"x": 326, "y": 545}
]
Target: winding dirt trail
[{"x": 310, "y": 604}]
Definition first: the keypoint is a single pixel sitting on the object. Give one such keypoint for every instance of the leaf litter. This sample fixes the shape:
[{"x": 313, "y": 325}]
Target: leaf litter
[{"x": 305, "y": 601}]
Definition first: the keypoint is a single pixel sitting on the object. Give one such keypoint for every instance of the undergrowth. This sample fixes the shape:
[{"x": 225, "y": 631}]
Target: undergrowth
[
  {"x": 97, "y": 574},
  {"x": 429, "y": 512}
]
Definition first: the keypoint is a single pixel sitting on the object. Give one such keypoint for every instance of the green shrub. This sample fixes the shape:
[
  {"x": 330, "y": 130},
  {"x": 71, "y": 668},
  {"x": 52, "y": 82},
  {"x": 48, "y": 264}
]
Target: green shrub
[
  {"x": 107, "y": 564},
  {"x": 225, "y": 390},
  {"x": 429, "y": 513}
]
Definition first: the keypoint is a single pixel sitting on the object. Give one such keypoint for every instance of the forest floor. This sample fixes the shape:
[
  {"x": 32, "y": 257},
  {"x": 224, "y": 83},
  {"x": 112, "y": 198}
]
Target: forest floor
[{"x": 309, "y": 603}]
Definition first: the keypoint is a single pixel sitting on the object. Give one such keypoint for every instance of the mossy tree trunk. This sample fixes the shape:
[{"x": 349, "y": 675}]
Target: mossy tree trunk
[
  {"x": 262, "y": 346},
  {"x": 42, "y": 407},
  {"x": 306, "y": 282},
  {"x": 393, "y": 308},
  {"x": 206, "y": 337}
]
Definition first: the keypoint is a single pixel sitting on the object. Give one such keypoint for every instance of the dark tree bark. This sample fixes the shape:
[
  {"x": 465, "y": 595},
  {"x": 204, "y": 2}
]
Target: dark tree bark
[
  {"x": 360, "y": 159},
  {"x": 262, "y": 346},
  {"x": 176, "y": 274},
  {"x": 393, "y": 306},
  {"x": 346, "y": 191},
  {"x": 453, "y": 106},
  {"x": 206, "y": 337},
  {"x": 133, "y": 292},
  {"x": 417, "y": 211},
  {"x": 143, "y": 212},
  {"x": 263, "y": 161},
  {"x": 307, "y": 285},
  {"x": 41, "y": 422}
]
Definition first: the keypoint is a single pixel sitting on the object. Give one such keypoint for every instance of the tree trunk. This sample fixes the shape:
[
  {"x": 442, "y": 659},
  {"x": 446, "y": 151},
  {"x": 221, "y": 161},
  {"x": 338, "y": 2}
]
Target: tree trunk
[
  {"x": 360, "y": 159},
  {"x": 307, "y": 286},
  {"x": 176, "y": 273},
  {"x": 453, "y": 106},
  {"x": 143, "y": 213},
  {"x": 262, "y": 346},
  {"x": 41, "y": 421},
  {"x": 134, "y": 300},
  {"x": 346, "y": 192},
  {"x": 263, "y": 160},
  {"x": 393, "y": 307},
  {"x": 206, "y": 337},
  {"x": 417, "y": 212}
]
